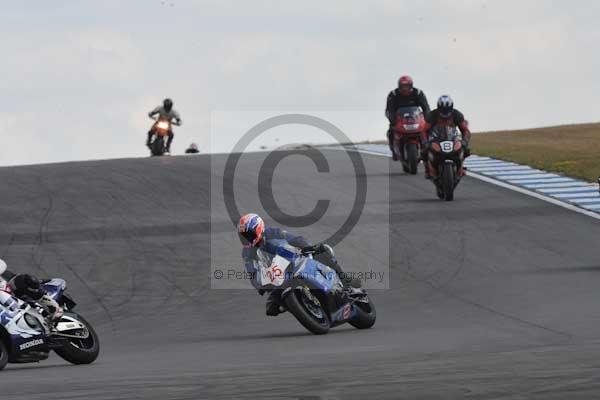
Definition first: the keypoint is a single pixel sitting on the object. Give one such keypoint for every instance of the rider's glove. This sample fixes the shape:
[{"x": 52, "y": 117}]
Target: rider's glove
[
  {"x": 51, "y": 306},
  {"x": 314, "y": 249}
]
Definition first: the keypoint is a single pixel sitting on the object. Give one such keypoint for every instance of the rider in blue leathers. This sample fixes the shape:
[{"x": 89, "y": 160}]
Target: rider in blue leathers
[{"x": 254, "y": 236}]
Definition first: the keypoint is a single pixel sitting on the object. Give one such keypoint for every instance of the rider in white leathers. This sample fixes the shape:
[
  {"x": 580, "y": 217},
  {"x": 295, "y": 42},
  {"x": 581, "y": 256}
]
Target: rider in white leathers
[{"x": 26, "y": 288}]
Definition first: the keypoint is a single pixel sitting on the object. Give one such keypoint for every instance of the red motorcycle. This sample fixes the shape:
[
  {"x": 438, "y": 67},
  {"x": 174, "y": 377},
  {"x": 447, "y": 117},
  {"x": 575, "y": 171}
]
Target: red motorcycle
[{"x": 410, "y": 123}]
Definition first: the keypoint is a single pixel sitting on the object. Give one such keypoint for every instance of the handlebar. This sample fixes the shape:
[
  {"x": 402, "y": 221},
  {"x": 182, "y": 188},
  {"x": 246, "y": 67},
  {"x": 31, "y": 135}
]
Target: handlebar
[{"x": 155, "y": 118}]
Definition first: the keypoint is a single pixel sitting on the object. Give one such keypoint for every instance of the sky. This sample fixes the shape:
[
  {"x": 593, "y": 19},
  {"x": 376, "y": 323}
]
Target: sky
[{"x": 79, "y": 77}]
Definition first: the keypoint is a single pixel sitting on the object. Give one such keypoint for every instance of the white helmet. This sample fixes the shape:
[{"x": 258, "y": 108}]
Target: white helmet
[
  {"x": 445, "y": 105},
  {"x": 3, "y": 266}
]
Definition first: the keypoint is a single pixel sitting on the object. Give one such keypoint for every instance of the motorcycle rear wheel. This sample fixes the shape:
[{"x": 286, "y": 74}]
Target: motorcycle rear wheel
[{"x": 298, "y": 302}]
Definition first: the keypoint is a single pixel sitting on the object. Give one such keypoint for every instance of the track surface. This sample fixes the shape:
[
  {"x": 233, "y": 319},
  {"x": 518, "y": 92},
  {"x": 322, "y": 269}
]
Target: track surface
[{"x": 492, "y": 296}]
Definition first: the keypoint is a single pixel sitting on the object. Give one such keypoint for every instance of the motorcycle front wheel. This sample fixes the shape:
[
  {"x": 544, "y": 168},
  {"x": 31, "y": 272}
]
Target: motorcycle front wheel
[
  {"x": 158, "y": 146},
  {"x": 448, "y": 181},
  {"x": 365, "y": 315},
  {"x": 412, "y": 158},
  {"x": 80, "y": 351},
  {"x": 307, "y": 309}
]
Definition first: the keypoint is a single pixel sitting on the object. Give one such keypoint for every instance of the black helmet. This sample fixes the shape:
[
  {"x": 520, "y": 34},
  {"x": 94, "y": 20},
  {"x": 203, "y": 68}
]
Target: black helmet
[
  {"x": 168, "y": 104},
  {"x": 26, "y": 285},
  {"x": 445, "y": 106}
]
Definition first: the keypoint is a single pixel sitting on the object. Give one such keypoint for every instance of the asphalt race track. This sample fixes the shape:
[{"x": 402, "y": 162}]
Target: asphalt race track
[{"x": 492, "y": 296}]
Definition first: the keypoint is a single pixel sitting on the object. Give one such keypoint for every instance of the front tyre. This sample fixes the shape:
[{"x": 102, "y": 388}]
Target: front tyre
[
  {"x": 3, "y": 355},
  {"x": 80, "y": 351},
  {"x": 412, "y": 158},
  {"x": 365, "y": 315},
  {"x": 448, "y": 182},
  {"x": 308, "y": 310},
  {"x": 158, "y": 146}
]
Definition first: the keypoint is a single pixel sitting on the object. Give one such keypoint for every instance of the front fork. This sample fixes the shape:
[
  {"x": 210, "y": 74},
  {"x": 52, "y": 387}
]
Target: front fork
[{"x": 433, "y": 171}]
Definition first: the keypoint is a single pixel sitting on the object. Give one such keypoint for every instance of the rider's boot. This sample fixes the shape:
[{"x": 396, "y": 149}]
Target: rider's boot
[
  {"x": 390, "y": 137},
  {"x": 169, "y": 141},
  {"x": 428, "y": 174},
  {"x": 273, "y": 305}
]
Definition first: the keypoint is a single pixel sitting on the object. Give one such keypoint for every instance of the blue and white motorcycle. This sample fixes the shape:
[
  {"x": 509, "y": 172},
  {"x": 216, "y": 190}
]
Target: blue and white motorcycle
[
  {"x": 313, "y": 292},
  {"x": 27, "y": 336}
]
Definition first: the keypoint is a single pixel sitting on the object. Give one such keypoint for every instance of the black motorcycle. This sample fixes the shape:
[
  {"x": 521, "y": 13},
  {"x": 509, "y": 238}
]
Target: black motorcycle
[{"x": 446, "y": 157}]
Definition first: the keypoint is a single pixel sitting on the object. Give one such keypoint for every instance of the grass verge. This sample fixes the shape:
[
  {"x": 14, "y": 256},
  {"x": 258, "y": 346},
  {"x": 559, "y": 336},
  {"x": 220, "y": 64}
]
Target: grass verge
[{"x": 572, "y": 150}]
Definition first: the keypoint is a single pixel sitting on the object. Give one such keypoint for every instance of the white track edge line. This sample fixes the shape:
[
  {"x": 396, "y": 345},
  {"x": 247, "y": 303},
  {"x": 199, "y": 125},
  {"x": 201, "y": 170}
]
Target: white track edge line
[{"x": 505, "y": 185}]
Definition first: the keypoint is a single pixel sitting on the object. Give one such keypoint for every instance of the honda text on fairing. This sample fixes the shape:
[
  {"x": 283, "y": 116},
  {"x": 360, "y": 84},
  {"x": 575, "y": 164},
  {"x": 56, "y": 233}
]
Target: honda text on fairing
[
  {"x": 446, "y": 158},
  {"x": 26, "y": 335},
  {"x": 312, "y": 291},
  {"x": 408, "y": 129}
]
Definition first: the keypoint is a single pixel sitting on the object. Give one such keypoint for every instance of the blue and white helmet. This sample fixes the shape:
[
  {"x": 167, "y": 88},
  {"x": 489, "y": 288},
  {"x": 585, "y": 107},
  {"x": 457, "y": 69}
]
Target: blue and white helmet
[{"x": 445, "y": 105}]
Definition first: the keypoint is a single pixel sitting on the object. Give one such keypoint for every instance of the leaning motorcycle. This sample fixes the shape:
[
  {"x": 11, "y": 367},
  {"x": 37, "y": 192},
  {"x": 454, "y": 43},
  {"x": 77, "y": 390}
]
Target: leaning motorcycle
[
  {"x": 410, "y": 123},
  {"x": 446, "y": 157},
  {"x": 161, "y": 129},
  {"x": 27, "y": 336},
  {"x": 312, "y": 292}
]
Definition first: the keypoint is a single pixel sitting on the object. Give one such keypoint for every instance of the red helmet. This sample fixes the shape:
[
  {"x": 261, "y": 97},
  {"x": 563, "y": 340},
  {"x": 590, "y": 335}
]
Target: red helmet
[
  {"x": 250, "y": 229},
  {"x": 405, "y": 84}
]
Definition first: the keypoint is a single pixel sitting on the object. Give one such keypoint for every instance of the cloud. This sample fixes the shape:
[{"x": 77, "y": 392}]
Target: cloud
[{"x": 94, "y": 69}]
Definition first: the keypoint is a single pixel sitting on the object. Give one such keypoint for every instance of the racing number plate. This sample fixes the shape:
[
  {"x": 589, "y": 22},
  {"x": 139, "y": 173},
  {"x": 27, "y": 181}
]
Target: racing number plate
[
  {"x": 447, "y": 146},
  {"x": 275, "y": 273}
]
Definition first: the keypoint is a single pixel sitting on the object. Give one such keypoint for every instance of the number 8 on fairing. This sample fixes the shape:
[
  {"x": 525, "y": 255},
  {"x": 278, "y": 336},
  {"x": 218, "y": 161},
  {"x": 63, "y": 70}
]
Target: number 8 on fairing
[{"x": 447, "y": 146}]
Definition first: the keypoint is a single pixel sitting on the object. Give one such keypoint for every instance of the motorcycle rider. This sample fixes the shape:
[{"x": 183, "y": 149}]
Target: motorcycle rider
[
  {"x": 254, "y": 235},
  {"x": 164, "y": 111},
  {"x": 445, "y": 115},
  {"x": 406, "y": 95},
  {"x": 28, "y": 289}
]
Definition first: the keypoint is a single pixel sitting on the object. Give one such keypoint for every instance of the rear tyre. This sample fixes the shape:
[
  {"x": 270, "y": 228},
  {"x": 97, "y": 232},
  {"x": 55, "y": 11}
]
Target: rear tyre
[
  {"x": 412, "y": 158},
  {"x": 81, "y": 351},
  {"x": 308, "y": 311},
  {"x": 448, "y": 182},
  {"x": 3, "y": 355},
  {"x": 365, "y": 315}
]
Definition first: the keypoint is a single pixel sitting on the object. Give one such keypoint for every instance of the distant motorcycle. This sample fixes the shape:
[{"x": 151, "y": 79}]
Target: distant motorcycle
[
  {"x": 27, "y": 336},
  {"x": 313, "y": 292},
  {"x": 410, "y": 123},
  {"x": 161, "y": 129},
  {"x": 446, "y": 156}
]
